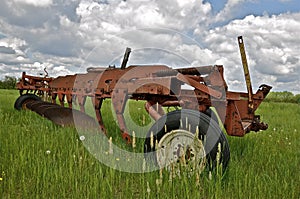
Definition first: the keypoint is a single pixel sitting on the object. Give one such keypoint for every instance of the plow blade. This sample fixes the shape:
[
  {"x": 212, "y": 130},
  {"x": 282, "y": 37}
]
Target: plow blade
[{"x": 59, "y": 115}]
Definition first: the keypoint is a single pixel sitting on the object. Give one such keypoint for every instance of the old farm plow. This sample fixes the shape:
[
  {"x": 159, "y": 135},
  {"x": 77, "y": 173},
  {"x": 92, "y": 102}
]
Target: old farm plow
[{"x": 200, "y": 92}]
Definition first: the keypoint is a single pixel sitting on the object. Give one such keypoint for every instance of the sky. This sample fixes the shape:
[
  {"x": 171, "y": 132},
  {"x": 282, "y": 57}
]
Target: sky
[{"x": 68, "y": 36}]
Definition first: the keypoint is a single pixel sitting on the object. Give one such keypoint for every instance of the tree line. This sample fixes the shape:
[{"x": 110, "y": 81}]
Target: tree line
[
  {"x": 284, "y": 96},
  {"x": 8, "y": 83}
]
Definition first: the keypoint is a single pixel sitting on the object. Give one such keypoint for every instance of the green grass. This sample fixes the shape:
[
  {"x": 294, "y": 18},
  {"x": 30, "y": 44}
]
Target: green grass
[{"x": 41, "y": 160}]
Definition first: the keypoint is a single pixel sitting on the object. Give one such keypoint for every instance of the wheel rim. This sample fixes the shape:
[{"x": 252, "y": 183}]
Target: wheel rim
[
  {"x": 190, "y": 123},
  {"x": 180, "y": 148}
]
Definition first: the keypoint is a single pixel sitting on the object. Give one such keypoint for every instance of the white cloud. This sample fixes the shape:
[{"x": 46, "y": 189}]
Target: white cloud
[
  {"x": 141, "y": 14},
  {"x": 271, "y": 45},
  {"x": 139, "y": 24},
  {"x": 12, "y": 51},
  {"x": 14, "y": 43},
  {"x": 227, "y": 12},
  {"x": 37, "y": 3},
  {"x": 68, "y": 36}
]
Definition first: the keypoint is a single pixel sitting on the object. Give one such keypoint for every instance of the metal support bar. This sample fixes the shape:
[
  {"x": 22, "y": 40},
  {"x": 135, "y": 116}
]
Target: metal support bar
[
  {"x": 125, "y": 59},
  {"x": 199, "y": 86},
  {"x": 119, "y": 99},
  {"x": 97, "y": 102},
  {"x": 155, "y": 113},
  {"x": 246, "y": 72}
]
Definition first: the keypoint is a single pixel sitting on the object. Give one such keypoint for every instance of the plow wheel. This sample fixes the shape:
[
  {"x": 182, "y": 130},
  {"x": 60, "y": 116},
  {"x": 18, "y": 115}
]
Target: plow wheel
[{"x": 187, "y": 138}]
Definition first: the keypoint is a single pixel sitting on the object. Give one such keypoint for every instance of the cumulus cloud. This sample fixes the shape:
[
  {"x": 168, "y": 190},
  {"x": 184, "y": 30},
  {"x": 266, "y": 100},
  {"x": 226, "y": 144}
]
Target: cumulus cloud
[
  {"x": 130, "y": 14},
  {"x": 37, "y": 3},
  {"x": 138, "y": 24},
  {"x": 12, "y": 51},
  {"x": 69, "y": 36},
  {"x": 7, "y": 50},
  {"x": 228, "y": 11},
  {"x": 271, "y": 44}
]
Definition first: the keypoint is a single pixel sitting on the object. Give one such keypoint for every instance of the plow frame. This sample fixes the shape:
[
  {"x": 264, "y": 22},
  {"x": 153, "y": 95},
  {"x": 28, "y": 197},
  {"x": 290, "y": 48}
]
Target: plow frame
[
  {"x": 160, "y": 86},
  {"x": 196, "y": 90}
]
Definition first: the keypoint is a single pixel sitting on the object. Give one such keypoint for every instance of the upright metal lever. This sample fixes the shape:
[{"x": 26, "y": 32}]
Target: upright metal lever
[
  {"x": 246, "y": 72},
  {"x": 125, "y": 59}
]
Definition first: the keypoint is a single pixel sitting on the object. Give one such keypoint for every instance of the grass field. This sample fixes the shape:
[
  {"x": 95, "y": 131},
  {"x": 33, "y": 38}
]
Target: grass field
[{"x": 41, "y": 160}]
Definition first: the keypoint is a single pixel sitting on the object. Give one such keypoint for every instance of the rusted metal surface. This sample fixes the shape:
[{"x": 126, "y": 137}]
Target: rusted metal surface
[
  {"x": 158, "y": 85},
  {"x": 32, "y": 83}
]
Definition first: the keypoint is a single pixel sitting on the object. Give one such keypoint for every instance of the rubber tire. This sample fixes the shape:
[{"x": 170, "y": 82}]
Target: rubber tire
[
  {"x": 207, "y": 126},
  {"x": 25, "y": 98},
  {"x": 210, "y": 113}
]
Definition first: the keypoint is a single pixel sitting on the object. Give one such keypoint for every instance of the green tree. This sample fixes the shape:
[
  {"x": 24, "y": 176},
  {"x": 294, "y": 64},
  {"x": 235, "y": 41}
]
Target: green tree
[
  {"x": 8, "y": 83},
  {"x": 297, "y": 98},
  {"x": 283, "y": 96}
]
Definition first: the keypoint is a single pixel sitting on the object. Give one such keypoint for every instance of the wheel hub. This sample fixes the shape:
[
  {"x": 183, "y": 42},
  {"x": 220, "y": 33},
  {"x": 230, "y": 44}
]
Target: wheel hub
[{"x": 180, "y": 148}]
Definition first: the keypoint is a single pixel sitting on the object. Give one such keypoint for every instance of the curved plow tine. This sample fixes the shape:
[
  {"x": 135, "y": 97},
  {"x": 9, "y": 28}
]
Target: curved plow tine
[{"x": 63, "y": 116}]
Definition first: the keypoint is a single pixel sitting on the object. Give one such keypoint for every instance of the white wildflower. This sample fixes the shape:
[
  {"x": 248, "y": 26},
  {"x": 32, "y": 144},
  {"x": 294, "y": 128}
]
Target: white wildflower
[
  {"x": 186, "y": 123},
  {"x": 156, "y": 144},
  {"x": 82, "y": 138},
  {"x": 148, "y": 188},
  {"x": 110, "y": 150},
  {"x": 151, "y": 140},
  {"x": 210, "y": 175},
  {"x": 133, "y": 139},
  {"x": 3, "y": 175},
  {"x": 219, "y": 153},
  {"x": 197, "y": 133}
]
